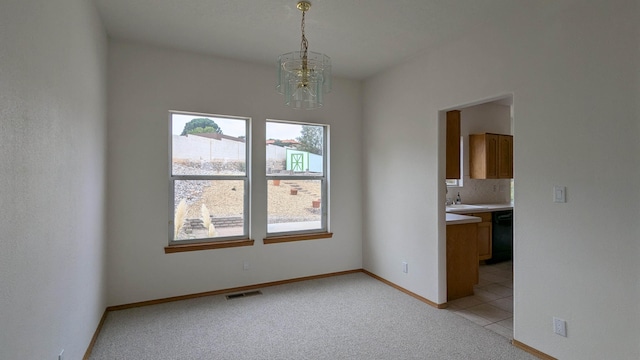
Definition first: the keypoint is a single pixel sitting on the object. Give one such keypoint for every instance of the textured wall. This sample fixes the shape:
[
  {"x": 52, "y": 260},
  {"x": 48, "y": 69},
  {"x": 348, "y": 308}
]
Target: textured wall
[
  {"x": 572, "y": 69},
  {"x": 52, "y": 177},
  {"x": 147, "y": 82}
]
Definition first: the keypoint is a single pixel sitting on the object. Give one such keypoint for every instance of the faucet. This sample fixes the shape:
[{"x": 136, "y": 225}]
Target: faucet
[{"x": 447, "y": 201}]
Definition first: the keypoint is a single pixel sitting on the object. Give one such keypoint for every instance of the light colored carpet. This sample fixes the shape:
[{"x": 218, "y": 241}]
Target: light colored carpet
[{"x": 343, "y": 317}]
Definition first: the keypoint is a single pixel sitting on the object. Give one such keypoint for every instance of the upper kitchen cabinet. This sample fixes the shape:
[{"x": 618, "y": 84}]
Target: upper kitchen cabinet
[
  {"x": 491, "y": 156},
  {"x": 453, "y": 144},
  {"x": 505, "y": 157}
]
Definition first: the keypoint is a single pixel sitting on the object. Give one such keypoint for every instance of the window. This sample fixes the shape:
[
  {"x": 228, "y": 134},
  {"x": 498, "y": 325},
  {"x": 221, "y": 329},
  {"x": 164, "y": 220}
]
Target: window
[
  {"x": 296, "y": 171},
  {"x": 454, "y": 182},
  {"x": 209, "y": 181}
]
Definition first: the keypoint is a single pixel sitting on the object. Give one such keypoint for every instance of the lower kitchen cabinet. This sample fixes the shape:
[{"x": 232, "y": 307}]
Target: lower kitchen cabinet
[
  {"x": 484, "y": 235},
  {"x": 462, "y": 260}
]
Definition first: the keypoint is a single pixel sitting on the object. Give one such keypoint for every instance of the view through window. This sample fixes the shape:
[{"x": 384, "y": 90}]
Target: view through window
[
  {"x": 296, "y": 157},
  {"x": 209, "y": 180}
]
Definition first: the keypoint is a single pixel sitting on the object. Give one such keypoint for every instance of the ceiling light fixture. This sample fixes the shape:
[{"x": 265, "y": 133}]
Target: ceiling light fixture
[{"x": 304, "y": 76}]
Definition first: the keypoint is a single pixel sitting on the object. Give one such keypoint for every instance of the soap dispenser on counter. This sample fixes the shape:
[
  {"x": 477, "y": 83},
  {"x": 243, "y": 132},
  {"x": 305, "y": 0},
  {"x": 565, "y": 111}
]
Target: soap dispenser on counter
[{"x": 458, "y": 200}]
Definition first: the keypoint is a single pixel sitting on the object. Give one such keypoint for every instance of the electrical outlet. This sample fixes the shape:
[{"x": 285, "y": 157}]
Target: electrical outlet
[
  {"x": 560, "y": 327},
  {"x": 245, "y": 265},
  {"x": 560, "y": 194},
  {"x": 61, "y": 355},
  {"x": 405, "y": 267}
]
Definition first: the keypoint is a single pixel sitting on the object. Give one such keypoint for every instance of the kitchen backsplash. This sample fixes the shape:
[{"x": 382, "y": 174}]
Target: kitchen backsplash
[{"x": 489, "y": 191}]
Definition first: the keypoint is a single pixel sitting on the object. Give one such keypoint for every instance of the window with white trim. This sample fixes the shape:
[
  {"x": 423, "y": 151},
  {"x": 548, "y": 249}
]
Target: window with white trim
[
  {"x": 209, "y": 177},
  {"x": 297, "y": 182}
]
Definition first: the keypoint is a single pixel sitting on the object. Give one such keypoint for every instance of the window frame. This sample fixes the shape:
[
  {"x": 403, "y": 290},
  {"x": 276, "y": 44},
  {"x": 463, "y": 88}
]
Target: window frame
[
  {"x": 454, "y": 182},
  {"x": 308, "y": 234},
  {"x": 221, "y": 241}
]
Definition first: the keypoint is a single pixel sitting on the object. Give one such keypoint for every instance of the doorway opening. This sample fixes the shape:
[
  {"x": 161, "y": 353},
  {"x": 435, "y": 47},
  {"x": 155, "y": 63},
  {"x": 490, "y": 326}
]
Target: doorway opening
[{"x": 490, "y": 302}]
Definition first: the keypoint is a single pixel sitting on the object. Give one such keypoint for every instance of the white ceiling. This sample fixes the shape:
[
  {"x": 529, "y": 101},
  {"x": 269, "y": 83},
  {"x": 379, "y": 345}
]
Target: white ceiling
[{"x": 362, "y": 37}]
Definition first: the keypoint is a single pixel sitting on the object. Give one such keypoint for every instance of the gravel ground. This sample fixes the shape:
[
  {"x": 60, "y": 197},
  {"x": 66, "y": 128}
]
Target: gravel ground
[
  {"x": 224, "y": 198},
  {"x": 284, "y": 206}
]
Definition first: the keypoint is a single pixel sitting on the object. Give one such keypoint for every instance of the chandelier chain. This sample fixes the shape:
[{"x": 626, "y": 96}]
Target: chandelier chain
[
  {"x": 304, "y": 44},
  {"x": 304, "y": 76}
]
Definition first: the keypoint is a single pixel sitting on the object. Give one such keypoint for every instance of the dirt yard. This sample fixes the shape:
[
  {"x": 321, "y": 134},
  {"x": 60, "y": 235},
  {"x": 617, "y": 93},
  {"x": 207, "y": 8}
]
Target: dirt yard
[{"x": 224, "y": 199}]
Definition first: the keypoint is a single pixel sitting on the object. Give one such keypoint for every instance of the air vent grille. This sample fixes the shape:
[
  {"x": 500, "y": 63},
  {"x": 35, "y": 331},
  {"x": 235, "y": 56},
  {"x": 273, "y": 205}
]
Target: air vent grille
[{"x": 244, "y": 294}]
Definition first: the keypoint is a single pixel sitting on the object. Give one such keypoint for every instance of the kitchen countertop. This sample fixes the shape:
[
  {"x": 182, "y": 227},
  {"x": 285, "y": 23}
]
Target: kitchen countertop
[
  {"x": 457, "y": 219},
  {"x": 479, "y": 208},
  {"x": 455, "y": 215}
]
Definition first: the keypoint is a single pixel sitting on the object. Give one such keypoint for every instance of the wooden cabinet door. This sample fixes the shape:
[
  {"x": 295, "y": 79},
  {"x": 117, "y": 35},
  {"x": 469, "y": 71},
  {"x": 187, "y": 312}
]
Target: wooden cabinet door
[
  {"x": 483, "y": 156},
  {"x": 505, "y": 156},
  {"x": 462, "y": 260},
  {"x": 477, "y": 156},
  {"x": 491, "y": 156},
  {"x": 491, "y": 143},
  {"x": 453, "y": 144},
  {"x": 484, "y": 240},
  {"x": 484, "y": 235}
]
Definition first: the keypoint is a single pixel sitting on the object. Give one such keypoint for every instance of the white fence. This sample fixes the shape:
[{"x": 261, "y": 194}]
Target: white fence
[
  {"x": 201, "y": 148},
  {"x": 276, "y": 153}
]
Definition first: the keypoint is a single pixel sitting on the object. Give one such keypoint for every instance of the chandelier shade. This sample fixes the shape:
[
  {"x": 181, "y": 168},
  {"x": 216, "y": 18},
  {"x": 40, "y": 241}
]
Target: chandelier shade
[
  {"x": 304, "y": 76},
  {"x": 303, "y": 81}
]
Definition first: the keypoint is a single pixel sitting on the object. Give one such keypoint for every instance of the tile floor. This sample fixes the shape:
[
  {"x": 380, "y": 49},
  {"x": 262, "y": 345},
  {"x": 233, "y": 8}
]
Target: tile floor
[{"x": 491, "y": 305}]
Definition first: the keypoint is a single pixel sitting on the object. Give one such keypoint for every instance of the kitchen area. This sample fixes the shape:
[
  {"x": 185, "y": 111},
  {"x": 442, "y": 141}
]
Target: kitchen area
[{"x": 479, "y": 214}]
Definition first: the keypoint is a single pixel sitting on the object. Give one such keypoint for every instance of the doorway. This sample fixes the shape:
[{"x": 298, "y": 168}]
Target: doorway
[{"x": 491, "y": 304}]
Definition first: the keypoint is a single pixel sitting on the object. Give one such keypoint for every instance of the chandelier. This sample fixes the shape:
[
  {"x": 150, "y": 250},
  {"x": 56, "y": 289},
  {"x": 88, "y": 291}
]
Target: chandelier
[{"x": 304, "y": 76}]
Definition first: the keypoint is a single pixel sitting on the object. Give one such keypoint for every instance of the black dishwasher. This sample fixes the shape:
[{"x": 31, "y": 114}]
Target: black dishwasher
[{"x": 502, "y": 236}]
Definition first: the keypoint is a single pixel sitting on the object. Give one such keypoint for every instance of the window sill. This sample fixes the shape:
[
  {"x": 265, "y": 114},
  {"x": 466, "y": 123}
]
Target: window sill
[
  {"x": 207, "y": 245},
  {"x": 296, "y": 237}
]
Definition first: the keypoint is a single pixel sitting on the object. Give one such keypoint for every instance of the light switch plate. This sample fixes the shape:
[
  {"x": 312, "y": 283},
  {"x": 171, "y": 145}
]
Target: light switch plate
[{"x": 559, "y": 194}]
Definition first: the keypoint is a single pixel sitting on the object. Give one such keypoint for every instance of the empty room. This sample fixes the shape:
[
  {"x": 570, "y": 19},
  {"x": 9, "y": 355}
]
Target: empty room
[{"x": 233, "y": 179}]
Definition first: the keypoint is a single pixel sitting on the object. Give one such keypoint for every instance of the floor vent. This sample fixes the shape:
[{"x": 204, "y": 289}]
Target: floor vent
[{"x": 244, "y": 294}]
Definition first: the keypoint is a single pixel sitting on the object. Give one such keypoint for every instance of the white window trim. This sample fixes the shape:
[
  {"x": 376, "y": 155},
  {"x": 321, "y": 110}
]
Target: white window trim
[
  {"x": 246, "y": 178},
  {"x": 324, "y": 180}
]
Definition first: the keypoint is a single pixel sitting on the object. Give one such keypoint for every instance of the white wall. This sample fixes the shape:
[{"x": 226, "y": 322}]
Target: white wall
[
  {"x": 145, "y": 83},
  {"x": 52, "y": 177},
  {"x": 573, "y": 72}
]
